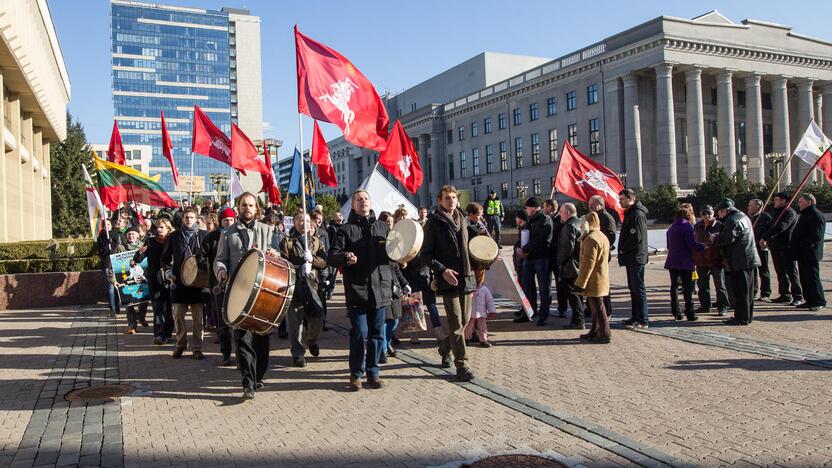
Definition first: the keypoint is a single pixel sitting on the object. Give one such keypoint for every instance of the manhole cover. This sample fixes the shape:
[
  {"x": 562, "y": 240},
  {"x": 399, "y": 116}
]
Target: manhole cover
[
  {"x": 100, "y": 392},
  {"x": 515, "y": 461}
]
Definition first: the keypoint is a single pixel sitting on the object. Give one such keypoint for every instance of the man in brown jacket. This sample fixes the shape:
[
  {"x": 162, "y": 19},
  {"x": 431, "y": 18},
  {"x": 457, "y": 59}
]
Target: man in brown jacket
[{"x": 708, "y": 263}]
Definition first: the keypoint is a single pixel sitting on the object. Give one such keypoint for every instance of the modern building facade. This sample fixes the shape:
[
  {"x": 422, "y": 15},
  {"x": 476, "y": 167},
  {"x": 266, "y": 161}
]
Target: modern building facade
[
  {"x": 171, "y": 58},
  {"x": 139, "y": 157},
  {"x": 659, "y": 103},
  {"x": 35, "y": 91}
]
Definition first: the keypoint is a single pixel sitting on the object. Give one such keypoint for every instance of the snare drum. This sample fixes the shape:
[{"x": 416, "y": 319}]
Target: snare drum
[
  {"x": 259, "y": 292},
  {"x": 482, "y": 251},
  {"x": 404, "y": 241},
  {"x": 195, "y": 271}
]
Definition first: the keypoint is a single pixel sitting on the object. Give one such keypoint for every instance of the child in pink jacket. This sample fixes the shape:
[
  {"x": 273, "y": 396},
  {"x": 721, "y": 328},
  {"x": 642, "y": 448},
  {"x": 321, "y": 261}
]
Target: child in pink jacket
[{"x": 483, "y": 307}]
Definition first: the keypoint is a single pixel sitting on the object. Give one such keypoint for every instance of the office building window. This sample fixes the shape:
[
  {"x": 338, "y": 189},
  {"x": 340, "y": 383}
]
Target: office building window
[
  {"x": 461, "y": 133},
  {"x": 518, "y": 152},
  {"x": 594, "y": 137},
  {"x": 489, "y": 159},
  {"x": 570, "y": 100},
  {"x": 501, "y": 121},
  {"x": 504, "y": 190},
  {"x": 487, "y": 125},
  {"x": 534, "y": 114},
  {"x": 475, "y": 129},
  {"x": 553, "y": 145},
  {"x": 450, "y": 167},
  {"x": 475, "y": 160},
  {"x": 450, "y": 136},
  {"x": 503, "y": 156},
  {"x": 463, "y": 165},
  {"x": 476, "y": 194},
  {"x": 551, "y": 106},
  {"x": 517, "y": 119},
  {"x": 536, "y": 186},
  {"x": 535, "y": 149},
  {"x": 572, "y": 132},
  {"x": 592, "y": 94}
]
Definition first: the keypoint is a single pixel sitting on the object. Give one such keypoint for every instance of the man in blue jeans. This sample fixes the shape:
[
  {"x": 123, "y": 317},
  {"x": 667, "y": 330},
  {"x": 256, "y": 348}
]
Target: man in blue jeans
[
  {"x": 359, "y": 249},
  {"x": 632, "y": 254}
]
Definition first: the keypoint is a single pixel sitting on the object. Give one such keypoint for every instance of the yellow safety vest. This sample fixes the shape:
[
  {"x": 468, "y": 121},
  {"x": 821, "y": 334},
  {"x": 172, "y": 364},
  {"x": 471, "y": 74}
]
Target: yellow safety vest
[{"x": 493, "y": 207}]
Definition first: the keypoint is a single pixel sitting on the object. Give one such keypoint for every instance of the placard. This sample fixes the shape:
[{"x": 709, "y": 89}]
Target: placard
[{"x": 131, "y": 283}]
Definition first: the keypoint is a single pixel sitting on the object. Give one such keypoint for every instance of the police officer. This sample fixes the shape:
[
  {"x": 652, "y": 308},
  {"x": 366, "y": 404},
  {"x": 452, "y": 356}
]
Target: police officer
[{"x": 494, "y": 215}]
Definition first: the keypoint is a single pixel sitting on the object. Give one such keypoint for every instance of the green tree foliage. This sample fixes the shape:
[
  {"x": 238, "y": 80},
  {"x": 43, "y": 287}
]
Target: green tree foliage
[
  {"x": 661, "y": 202},
  {"x": 720, "y": 184},
  {"x": 291, "y": 205},
  {"x": 69, "y": 202}
]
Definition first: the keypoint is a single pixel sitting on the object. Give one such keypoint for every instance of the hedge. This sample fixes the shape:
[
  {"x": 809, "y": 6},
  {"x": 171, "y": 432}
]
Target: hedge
[{"x": 38, "y": 257}]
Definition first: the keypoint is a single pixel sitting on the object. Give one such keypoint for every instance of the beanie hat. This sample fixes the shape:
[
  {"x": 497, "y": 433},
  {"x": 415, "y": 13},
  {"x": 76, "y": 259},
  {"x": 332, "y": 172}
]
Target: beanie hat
[
  {"x": 534, "y": 202},
  {"x": 228, "y": 213}
]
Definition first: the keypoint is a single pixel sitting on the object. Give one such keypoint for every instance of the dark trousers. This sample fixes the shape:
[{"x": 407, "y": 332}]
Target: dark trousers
[
  {"x": 252, "y": 356},
  {"x": 537, "y": 272},
  {"x": 366, "y": 340},
  {"x": 638, "y": 293},
  {"x": 223, "y": 331},
  {"x": 600, "y": 317},
  {"x": 560, "y": 294},
  {"x": 788, "y": 284},
  {"x": 810, "y": 280},
  {"x": 743, "y": 284},
  {"x": 704, "y": 283},
  {"x": 494, "y": 227},
  {"x": 685, "y": 279},
  {"x": 567, "y": 285},
  {"x": 162, "y": 318},
  {"x": 765, "y": 274},
  {"x": 135, "y": 314}
]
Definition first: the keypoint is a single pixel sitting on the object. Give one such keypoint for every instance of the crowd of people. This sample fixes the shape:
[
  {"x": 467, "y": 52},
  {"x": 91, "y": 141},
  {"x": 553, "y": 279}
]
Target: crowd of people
[{"x": 725, "y": 247}]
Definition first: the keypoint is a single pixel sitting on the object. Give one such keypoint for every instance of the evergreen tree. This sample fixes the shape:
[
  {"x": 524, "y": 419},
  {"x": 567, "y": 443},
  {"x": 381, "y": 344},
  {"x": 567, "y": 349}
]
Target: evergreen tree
[{"x": 69, "y": 202}]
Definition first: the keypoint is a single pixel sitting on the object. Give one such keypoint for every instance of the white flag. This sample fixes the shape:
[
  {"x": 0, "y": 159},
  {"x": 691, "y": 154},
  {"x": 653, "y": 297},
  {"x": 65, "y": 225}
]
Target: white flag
[
  {"x": 813, "y": 144},
  {"x": 236, "y": 186},
  {"x": 94, "y": 206}
]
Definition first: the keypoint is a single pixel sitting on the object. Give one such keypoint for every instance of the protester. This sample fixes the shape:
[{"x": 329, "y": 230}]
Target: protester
[
  {"x": 423, "y": 216},
  {"x": 778, "y": 239},
  {"x": 535, "y": 254},
  {"x": 681, "y": 244},
  {"x": 597, "y": 205},
  {"x": 762, "y": 223},
  {"x": 210, "y": 246},
  {"x": 521, "y": 220},
  {"x": 136, "y": 314},
  {"x": 482, "y": 308},
  {"x": 739, "y": 255},
  {"x": 632, "y": 254},
  {"x": 325, "y": 275},
  {"x": 569, "y": 251},
  {"x": 550, "y": 207},
  {"x": 400, "y": 289},
  {"x": 159, "y": 295},
  {"x": 593, "y": 281},
  {"x": 709, "y": 264},
  {"x": 494, "y": 215},
  {"x": 809, "y": 233},
  {"x": 108, "y": 241}
]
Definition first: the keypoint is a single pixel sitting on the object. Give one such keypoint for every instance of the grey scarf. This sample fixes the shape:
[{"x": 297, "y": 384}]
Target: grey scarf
[{"x": 456, "y": 221}]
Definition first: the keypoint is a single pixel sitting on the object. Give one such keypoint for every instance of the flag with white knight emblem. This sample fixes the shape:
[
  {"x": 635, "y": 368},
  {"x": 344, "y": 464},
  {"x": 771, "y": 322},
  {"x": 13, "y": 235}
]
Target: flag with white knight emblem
[{"x": 401, "y": 159}]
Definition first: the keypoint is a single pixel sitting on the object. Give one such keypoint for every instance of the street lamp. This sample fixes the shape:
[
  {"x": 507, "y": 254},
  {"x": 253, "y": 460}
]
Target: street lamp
[{"x": 623, "y": 177}]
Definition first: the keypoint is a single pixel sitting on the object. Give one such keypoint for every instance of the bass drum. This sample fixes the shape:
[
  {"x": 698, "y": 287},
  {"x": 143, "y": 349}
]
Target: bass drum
[
  {"x": 195, "y": 271},
  {"x": 259, "y": 292},
  {"x": 404, "y": 241}
]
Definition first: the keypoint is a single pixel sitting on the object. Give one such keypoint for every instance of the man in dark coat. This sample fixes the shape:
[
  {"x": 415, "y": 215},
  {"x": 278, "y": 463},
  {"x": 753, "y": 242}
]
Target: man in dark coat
[
  {"x": 445, "y": 250},
  {"x": 809, "y": 232},
  {"x": 739, "y": 256},
  {"x": 761, "y": 222},
  {"x": 708, "y": 264},
  {"x": 326, "y": 275},
  {"x": 778, "y": 239},
  {"x": 550, "y": 207},
  {"x": 108, "y": 242},
  {"x": 359, "y": 249},
  {"x": 632, "y": 254},
  {"x": 569, "y": 255},
  {"x": 184, "y": 242},
  {"x": 535, "y": 256}
]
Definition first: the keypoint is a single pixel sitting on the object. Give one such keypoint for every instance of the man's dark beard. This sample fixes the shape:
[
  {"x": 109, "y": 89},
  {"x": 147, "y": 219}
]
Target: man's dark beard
[{"x": 246, "y": 219}]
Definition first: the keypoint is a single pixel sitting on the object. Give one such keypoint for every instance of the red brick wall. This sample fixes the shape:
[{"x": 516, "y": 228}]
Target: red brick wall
[{"x": 34, "y": 290}]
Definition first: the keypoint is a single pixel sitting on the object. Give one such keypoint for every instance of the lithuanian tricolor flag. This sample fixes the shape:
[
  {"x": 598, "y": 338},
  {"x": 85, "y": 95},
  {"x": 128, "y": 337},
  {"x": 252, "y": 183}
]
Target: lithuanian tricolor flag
[{"x": 117, "y": 183}]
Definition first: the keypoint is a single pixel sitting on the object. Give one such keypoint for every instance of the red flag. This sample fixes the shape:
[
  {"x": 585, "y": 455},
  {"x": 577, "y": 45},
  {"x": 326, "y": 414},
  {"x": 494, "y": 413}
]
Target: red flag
[
  {"x": 208, "y": 140},
  {"x": 321, "y": 158},
  {"x": 167, "y": 151},
  {"x": 115, "y": 153},
  {"x": 244, "y": 154},
  {"x": 580, "y": 177},
  {"x": 331, "y": 89},
  {"x": 401, "y": 159},
  {"x": 825, "y": 165},
  {"x": 269, "y": 179}
]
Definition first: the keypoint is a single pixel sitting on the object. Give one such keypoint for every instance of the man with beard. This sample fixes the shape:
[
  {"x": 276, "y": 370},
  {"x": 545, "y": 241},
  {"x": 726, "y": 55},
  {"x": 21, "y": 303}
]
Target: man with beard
[{"x": 247, "y": 233}]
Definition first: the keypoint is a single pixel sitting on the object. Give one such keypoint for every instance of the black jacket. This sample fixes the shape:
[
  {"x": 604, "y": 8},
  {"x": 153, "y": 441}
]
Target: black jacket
[
  {"x": 442, "y": 249},
  {"x": 632, "y": 245},
  {"x": 569, "y": 249},
  {"x": 607, "y": 226},
  {"x": 779, "y": 235},
  {"x": 762, "y": 223},
  {"x": 736, "y": 242},
  {"x": 107, "y": 245},
  {"x": 808, "y": 233},
  {"x": 553, "y": 246},
  {"x": 323, "y": 236},
  {"x": 417, "y": 274},
  {"x": 210, "y": 244},
  {"x": 540, "y": 236},
  {"x": 174, "y": 254},
  {"x": 368, "y": 284},
  {"x": 153, "y": 253}
]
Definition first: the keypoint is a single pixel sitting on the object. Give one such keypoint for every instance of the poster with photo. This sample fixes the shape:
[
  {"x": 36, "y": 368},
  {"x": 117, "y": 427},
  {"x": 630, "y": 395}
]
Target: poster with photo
[{"x": 131, "y": 283}]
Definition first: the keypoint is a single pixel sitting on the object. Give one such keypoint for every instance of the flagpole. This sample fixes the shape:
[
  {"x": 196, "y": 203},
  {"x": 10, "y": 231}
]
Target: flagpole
[
  {"x": 192, "y": 172},
  {"x": 774, "y": 188},
  {"x": 302, "y": 184},
  {"x": 802, "y": 183}
]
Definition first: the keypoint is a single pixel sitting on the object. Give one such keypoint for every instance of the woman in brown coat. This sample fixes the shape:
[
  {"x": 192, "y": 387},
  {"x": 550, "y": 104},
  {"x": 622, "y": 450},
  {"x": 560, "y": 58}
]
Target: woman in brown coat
[{"x": 594, "y": 278}]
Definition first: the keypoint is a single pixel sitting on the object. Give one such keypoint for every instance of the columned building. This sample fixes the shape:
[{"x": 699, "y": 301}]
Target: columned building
[
  {"x": 659, "y": 103},
  {"x": 34, "y": 91}
]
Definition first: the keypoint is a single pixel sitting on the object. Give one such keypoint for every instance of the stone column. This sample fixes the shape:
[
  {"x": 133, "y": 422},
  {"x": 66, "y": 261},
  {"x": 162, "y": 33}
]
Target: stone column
[
  {"x": 697, "y": 169},
  {"x": 665, "y": 124},
  {"x": 727, "y": 150},
  {"x": 436, "y": 167},
  {"x": 632, "y": 147},
  {"x": 612, "y": 126},
  {"x": 780, "y": 124},
  {"x": 423, "y": 194},
  {"x": 754, "y": 129},
  {"x": 4, "y": 223},
  {"x": 805, "y": 114}
]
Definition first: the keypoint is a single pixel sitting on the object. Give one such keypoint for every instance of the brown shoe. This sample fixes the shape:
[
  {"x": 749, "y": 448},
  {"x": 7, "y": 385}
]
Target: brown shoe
[
  {"x": 355, "y": 384},
  {"x": 177, "y": 353},
  {"x": 198, "y": 355},
  {"x": 131, "y": 331},
  {"x": 375, "y": 383}
]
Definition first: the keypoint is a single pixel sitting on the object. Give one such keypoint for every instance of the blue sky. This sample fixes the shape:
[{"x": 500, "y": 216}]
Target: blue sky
[{"x": 396, "y": 44}]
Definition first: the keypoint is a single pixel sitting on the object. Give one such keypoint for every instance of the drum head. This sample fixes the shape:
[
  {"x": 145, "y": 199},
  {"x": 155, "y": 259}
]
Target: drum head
[
  {"x": 483, "y": 248},
  {"x": 241, "y": 286},
  {"x": 189, "y": 270},
  {"x": 404, "y": 239}
]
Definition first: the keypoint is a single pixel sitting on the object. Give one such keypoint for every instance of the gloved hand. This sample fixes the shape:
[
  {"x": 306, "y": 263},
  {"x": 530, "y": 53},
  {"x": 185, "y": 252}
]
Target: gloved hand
[
  {"x": 221, "y": 276},
  {"x": 307, "y": 256},
  {"x": 407, "y": 290},
  {"x": 307, "y": 268},
  {"x": 169, "y": 276}
]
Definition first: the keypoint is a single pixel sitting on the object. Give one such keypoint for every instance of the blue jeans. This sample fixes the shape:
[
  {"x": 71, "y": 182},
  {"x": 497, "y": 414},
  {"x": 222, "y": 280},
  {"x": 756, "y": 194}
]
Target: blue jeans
[
  {"x": 433, "y": 312},
  {"x": 367, "y": 326},
  {"x": 390, "y": 326},
  {"x": 638, "y": 292},
  {"x": 538, "y": 269},
  {"x": 112, "y": 298}
]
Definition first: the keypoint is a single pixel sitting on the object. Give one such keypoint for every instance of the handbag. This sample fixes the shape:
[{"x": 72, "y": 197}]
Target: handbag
[{"x": 413, "y": 314}]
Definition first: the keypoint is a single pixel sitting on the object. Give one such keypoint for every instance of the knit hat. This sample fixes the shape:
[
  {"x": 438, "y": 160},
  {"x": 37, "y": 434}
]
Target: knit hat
[
  {"x": 725, "y": 203},
  {"x": 707, "y": 209},
  {"x": 521, "y": 214},
  {"x": 133, "y": 229},
  {"x": 228, "y": 213},
  {"x": 534, "y": 202}
]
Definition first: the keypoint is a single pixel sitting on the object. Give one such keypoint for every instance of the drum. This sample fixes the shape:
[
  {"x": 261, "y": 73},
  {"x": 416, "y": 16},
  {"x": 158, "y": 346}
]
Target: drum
[
  {"x": 482, "y": 251},
  {"x": 404, "y": 241},
  {"x": 259, "y": 292},
  {"x": 195, "y": 271}
]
